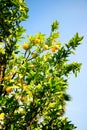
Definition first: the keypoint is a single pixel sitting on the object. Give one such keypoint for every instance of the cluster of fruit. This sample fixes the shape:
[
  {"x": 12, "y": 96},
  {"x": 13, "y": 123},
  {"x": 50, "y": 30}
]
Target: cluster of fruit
[{"x": 54, "y": 48}]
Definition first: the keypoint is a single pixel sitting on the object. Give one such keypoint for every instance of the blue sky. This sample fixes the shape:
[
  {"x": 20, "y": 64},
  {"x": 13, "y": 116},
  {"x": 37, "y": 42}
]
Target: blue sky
[{"x": 72, "y": 16}]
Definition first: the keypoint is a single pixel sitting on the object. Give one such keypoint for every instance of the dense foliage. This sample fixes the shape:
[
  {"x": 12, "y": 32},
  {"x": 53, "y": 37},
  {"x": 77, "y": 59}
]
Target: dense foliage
[{"x": 33, "y": 76}]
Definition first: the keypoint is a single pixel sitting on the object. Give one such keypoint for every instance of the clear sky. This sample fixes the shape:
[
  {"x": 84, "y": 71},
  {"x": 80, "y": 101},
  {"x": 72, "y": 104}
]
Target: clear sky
[{"x": 72, "y": 16}]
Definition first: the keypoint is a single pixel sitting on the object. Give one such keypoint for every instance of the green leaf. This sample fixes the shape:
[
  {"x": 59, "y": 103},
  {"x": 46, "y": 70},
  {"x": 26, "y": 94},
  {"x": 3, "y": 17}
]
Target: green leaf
[{"x": 54, "y": 26}]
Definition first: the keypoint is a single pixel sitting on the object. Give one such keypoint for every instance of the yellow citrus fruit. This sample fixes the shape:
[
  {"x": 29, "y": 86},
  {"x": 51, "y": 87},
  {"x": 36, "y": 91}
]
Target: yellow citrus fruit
[
  {"x": 23, "y": 99},
  {"x": 25, "y": 46},
  {"x": 45, "y": 47},
  {"x": 2, "y": 115},
  {"x": 8, "y": 89},
  {"x": 36, "y": 41},
  {"x": 56, "y": 47},
  {"x": 53, "y": 49}
]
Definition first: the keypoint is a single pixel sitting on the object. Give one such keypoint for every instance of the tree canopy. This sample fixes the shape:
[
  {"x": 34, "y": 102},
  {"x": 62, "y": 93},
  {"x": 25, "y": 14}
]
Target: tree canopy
[{"x": 33, "y": 76}]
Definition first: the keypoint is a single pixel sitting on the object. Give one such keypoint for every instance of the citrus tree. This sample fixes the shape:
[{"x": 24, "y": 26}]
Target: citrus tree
[{"x": 33, "y": 76}]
